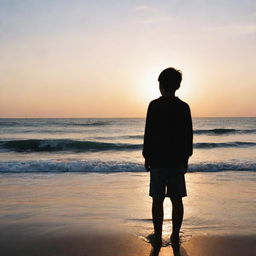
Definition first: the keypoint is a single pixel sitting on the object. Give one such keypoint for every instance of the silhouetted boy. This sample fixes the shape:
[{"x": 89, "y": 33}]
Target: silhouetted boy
[{"x": 167, "y": 147}]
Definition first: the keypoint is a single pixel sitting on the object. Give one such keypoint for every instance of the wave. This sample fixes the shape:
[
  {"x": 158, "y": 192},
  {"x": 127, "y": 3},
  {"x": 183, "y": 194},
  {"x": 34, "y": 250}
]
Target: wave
[
  {"x": 44, "y": 166},
  {"x": 36, "y": 145},
  {"x": 9, "y": 123},
  {"x": 97, "y": 123},
  {"x": 120, "y": 137},
  {"x": 133, "y": 137},
  {"x": 51, "y": 145},
  {"x": 235, "y": 144},
  {"x": 225, "y": 131},
  {"x": 40, "y": 123}
]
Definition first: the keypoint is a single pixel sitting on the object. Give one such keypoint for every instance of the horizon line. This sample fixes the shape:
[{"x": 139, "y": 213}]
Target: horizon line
[{"x": 119, "y": 117}]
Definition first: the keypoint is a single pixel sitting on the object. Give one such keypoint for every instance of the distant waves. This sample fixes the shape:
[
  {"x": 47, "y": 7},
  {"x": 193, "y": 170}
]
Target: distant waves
[
  {"x": 49, "y": 122},
  {"x": 53, "y": 145}
]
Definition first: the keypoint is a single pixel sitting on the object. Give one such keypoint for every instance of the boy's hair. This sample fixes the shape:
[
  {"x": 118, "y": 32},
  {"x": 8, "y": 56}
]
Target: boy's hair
[{"x": 170, "y": 79}]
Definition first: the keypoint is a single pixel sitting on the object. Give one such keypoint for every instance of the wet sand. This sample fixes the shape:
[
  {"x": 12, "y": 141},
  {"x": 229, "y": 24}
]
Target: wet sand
[
  {"x": 220, "y": 246},
  {"x": 13, "y": 242}
]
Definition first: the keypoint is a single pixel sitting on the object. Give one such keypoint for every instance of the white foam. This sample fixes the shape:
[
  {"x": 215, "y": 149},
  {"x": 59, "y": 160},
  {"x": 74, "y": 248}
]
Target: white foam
[{"x": 110, "y": 166}]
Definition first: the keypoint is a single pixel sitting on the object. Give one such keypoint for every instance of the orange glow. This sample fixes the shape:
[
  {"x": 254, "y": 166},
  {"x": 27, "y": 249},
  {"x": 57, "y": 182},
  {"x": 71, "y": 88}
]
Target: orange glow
[{"x": 99, "y": 64}]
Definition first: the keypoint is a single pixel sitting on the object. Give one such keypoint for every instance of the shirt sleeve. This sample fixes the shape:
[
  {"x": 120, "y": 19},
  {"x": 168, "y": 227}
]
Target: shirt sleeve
[
  {"x": 189, "y": 132},
  {"x": 148, "y": 133}
]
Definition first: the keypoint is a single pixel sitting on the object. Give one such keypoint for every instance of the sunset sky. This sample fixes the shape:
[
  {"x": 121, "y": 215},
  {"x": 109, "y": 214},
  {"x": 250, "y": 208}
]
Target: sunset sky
[{"x": 63, "y": 58}]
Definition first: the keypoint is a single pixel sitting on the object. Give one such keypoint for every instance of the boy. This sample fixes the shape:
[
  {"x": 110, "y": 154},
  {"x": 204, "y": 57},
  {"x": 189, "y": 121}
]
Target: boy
[{"x": 166, "y": 149}]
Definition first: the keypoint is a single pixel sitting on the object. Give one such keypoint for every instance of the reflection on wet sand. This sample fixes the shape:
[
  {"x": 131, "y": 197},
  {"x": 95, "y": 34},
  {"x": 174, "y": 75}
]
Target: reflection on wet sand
[{"x": 167, "y": 251}]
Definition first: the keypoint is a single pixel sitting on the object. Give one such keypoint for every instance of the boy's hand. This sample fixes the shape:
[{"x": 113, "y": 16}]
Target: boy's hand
[{"x": 147, "y": 167}]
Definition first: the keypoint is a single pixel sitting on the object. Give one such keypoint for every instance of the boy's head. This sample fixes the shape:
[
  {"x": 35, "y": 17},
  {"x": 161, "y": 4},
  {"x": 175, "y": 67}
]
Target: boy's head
[{"x": 169, "y": 80}]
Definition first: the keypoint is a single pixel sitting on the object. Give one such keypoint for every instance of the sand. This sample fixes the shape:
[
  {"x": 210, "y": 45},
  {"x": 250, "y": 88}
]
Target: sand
[{"x": 70, "y": 214}]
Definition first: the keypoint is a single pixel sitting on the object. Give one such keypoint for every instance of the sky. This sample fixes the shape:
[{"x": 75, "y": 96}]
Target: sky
[{"x": 79, "y": 58}]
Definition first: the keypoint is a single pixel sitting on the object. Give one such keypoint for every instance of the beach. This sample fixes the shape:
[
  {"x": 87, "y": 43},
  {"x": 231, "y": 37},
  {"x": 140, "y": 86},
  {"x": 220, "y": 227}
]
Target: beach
[{"x": 109, "y": 214}]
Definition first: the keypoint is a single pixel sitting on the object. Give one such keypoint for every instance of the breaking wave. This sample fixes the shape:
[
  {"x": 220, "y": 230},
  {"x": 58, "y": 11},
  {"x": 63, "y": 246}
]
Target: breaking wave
[{"x": 51, "y": 166}]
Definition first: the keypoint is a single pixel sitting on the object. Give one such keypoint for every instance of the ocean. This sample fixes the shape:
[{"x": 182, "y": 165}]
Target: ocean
[{"x": 114, "y": 145}]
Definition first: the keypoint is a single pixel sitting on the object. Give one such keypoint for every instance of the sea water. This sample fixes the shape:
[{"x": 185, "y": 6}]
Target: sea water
[{"x": 114, "y": 145}]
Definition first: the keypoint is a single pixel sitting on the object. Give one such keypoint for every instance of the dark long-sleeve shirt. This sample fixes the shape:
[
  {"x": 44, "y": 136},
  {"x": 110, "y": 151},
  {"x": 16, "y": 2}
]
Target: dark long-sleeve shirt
[{"x": 168, "y": 138}]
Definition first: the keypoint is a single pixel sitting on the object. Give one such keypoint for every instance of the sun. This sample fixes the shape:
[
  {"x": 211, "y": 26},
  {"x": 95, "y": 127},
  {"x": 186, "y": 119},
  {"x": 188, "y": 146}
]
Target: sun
[
  {"x": 148, "y": 88},
  {"x": 146, "y": 84}
]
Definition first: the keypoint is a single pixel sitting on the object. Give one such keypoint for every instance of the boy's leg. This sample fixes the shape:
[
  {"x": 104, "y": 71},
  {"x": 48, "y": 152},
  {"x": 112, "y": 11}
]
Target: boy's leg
[
  {"x": 158, "y": 214},
  {"x": 177, "y": 215}
]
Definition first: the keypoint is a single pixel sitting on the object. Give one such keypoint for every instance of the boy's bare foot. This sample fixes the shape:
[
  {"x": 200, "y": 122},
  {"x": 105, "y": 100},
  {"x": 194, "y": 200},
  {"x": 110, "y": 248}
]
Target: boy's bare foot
[
  {"x": 154, "y": 240},
  {"x": 157, "y": 241},
  {"x": 157, "y": 244},
  {"x": 175, "y": 242}
]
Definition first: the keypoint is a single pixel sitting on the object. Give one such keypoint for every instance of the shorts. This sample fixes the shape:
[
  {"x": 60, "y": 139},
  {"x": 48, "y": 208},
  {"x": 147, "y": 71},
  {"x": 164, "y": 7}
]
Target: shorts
[{"x": 165, "y": 182}]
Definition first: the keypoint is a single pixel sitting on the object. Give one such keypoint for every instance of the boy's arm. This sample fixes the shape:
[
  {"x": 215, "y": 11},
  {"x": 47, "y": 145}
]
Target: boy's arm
[
  {"x": 189, "y": 133},
  {"x": 147, "y": 136}
]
